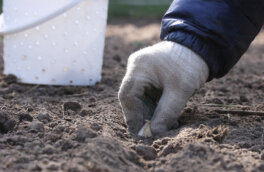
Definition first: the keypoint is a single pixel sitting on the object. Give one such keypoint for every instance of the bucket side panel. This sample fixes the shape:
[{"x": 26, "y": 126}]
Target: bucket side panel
[{"x": 67, "y": 50}]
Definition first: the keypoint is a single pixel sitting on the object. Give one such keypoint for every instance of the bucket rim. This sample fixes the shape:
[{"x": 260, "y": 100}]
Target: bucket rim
[{"x": 6, "y": 30}]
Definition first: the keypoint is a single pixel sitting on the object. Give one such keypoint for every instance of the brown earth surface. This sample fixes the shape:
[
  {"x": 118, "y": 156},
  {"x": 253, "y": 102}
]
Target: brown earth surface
[{"x": 47, "y": 128}]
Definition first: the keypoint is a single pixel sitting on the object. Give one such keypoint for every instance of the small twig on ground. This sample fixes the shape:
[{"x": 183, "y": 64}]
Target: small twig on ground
[
  {"x": 225, "y": 105},
  {"x": 262, "y": 138},
  {"x": 62, "y": 109},
  {"x": 78, "y": 95},
  {"x": 32, "y": 88},
  {"x": 240, "y": 112}
]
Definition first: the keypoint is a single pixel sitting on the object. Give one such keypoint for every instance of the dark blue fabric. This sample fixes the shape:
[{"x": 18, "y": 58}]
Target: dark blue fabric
[{"x": 220, "y": 31}]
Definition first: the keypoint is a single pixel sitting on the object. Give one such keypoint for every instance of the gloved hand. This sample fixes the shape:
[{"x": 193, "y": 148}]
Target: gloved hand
[{"x": 158, "y": 82}]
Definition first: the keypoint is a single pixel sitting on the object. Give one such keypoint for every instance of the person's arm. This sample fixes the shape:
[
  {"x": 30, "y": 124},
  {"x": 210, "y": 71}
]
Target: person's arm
[
  {"x": 220, "y": 31},
  {"x": 202, "y": 40}
]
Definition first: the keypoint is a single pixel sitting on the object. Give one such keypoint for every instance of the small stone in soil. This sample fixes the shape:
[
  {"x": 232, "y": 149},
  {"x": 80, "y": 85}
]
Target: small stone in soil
[
  {"x": 36, "y": 126},
  {"x": 74, "y": 106},
  {"x": 44, "y": 117},
  {"x": 243, "y": 99},
  {"x": 147, "y": 152},
  {"x": 84, "y": 133},
  {"x": 48, "y": 150}
]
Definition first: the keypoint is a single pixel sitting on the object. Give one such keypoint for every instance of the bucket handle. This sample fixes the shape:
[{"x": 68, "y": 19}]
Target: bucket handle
[{"x": 15, "y": 29}]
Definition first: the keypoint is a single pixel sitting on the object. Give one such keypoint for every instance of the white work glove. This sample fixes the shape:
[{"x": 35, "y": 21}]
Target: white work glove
[{"x": 159, "y": 81}]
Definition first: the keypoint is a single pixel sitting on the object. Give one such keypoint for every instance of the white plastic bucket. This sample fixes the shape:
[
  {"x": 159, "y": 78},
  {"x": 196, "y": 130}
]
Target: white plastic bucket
[{"x": 54, "y": 42}]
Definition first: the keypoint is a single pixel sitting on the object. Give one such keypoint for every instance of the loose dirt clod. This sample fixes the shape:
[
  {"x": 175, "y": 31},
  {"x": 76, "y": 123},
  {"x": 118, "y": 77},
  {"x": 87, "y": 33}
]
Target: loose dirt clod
[
  {"x": 86, "y": 112},
  {"x": 96, "y": 126},
  {"x": 53, "y": 167},
  {"x": 36, "y": 126},
  {"x": 218, "y": 133},
  {"x": 25, "y": 117},
  {"x": 170, "y": 148},
  {"x": 9, "y": 79},
  {"x": 262, "y": 155},
  {"x": 48, "y": 150},
  {"x": 6, "y": 124},
  {"x": 84, "y": 133},
  {"x": 44, "y": 117},
  {"x": 74, "y": 106},
  {"x": 147, "y": 152}
]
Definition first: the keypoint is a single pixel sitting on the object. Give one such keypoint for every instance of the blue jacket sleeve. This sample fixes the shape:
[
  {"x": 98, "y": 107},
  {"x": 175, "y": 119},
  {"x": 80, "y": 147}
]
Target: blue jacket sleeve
[{"x": 220, "y": 31}]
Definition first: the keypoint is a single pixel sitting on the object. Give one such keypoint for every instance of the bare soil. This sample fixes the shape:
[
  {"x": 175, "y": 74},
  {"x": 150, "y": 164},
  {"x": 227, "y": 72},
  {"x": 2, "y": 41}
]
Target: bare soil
[{"x": 47, "y": 128}]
